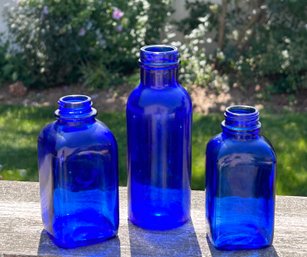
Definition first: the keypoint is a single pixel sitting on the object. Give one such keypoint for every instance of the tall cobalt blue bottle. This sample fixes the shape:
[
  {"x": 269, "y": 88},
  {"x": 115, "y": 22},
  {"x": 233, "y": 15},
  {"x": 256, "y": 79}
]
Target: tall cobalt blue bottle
[
  {"x": 240, "y": 183},
  {"x": 77, "y": 157},
  {"x": 159, "y": 116}
]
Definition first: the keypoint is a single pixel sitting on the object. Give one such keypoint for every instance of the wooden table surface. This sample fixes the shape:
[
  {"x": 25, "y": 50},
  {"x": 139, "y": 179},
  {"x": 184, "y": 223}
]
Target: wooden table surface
[{"x": 21, "y": 230}]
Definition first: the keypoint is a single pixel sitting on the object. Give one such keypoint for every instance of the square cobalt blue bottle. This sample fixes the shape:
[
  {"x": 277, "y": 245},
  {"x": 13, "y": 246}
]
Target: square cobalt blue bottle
[
  {"x": 240, "y": 183},
  {"x": 78, "y": 174}
]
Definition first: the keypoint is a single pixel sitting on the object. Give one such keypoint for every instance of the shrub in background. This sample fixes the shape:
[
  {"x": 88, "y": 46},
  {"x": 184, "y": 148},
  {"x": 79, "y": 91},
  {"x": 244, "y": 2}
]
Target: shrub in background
[
  {"x": 98, "y": 40},
  {"x": 3, "y": 62},
  {"x": 197, "y": 67},
  {"x": 254, "y": 39},
  {"x": 12, "y": 64}
]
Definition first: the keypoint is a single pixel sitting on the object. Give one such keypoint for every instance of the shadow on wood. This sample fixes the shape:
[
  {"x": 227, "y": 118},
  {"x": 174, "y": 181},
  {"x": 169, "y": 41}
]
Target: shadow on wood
[
  {"x": 48, "y": 248},
  {"x": 181, "y": 241},
  {"x": 265, "y": 252}
]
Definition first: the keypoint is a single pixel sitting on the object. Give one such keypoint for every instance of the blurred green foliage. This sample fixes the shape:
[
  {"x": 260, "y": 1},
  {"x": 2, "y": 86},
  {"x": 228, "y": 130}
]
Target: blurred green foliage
[
  {"x": 255, "y": 41},
  {"x": 96, "y": 42},
  {"x": 20, "y": 126},
  {"x": 53, "y": 42}
]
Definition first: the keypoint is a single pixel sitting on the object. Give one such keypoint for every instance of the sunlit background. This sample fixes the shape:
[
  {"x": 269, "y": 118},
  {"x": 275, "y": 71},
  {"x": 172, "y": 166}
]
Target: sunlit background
[{"x": 232, "y": 52}]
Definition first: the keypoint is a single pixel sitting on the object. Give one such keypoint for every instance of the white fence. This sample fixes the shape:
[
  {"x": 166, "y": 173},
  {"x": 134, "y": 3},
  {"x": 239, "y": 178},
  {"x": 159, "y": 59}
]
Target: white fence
[{"x": 3, "y": 27}]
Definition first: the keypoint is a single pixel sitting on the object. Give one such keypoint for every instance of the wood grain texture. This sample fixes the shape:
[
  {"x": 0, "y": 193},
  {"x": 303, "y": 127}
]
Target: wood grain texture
[{"x": 21, "y": 231}]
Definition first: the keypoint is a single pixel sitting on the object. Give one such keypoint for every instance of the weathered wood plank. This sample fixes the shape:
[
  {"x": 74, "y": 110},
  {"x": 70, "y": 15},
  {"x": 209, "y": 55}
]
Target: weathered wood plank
[{"x": 21, "y": 231}]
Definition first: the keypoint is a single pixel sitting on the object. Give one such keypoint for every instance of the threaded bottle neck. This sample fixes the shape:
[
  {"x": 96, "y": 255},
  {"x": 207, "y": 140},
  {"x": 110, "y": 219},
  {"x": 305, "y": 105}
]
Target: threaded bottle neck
[
  {"x": 159, "y": 56},
  {"x": 241, "y": 119},
  {"x": 75, "y": 107},
  {"x": 159, "y": 65}
]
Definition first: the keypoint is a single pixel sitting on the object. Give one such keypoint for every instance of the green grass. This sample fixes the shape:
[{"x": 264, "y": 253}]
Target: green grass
[{"x": 19, "y": 127}]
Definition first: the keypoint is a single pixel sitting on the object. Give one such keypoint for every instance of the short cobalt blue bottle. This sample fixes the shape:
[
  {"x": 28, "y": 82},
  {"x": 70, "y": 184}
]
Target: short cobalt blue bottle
[
  {"x": 159, "y": 115},
  {"x": 78, "y": 174},
  {"x": 240, "y": 183}
]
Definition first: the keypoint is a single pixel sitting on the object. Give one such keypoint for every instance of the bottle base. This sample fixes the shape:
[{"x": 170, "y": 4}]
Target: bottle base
[
  {"x": 240, "y": 247},
  {"x": 75, "y": 244},
  {"x": 240, "y": 242},
  {"x": 158, "y": 223},
  {"x": 81, "y": 229}
]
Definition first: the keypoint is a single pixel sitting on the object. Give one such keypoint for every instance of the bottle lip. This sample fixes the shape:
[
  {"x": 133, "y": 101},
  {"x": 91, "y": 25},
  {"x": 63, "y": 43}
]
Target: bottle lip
[
  {"x": 74, "y": 101},
  {"x": 75, "y": 107},
  {"x": 241, "y": 111},
  {"x": 159, "y": 55},
  {"x": 160, "y": 48},
  {"x": 241, "y": 118}
]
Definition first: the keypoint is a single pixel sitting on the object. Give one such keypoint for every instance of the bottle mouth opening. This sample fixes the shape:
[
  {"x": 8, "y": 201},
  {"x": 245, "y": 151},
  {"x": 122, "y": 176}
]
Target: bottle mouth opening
[
  {"x": 74, "y": 101},
  {"x": 159, "y": 49},
  {"x": 241, "y": 118},
  {"x": 241, "y": 110},
  {"x": 159, "y": 56},
  {"x": 75, "y": 107}
]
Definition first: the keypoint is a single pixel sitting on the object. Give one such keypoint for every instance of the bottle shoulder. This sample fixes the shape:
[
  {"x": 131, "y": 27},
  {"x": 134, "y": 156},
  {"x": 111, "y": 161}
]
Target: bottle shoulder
[
  {"x": 47, "y": 131},
  {"x": 222, "y": 146},
  {"x": 171, "y": 97},
  {"x": 63, "y": 135},
  {"x": 214, "y": 143}
]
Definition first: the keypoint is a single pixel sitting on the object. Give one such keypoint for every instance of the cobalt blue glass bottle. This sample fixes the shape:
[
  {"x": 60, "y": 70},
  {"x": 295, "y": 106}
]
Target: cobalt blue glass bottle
[
  {"x": 240, "y": 183},
  {"x": 78, "y": 174},
  {"x": 159, "y": 115}
]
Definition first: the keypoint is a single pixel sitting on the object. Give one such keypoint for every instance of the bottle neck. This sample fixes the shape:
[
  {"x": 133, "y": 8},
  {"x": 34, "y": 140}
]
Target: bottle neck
[
  {"x": 241, "y": 122},
  {"x": 159, "y": 66},
  {"x": 159, "y": 78},
  {"x": 75, "y": 109}
]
